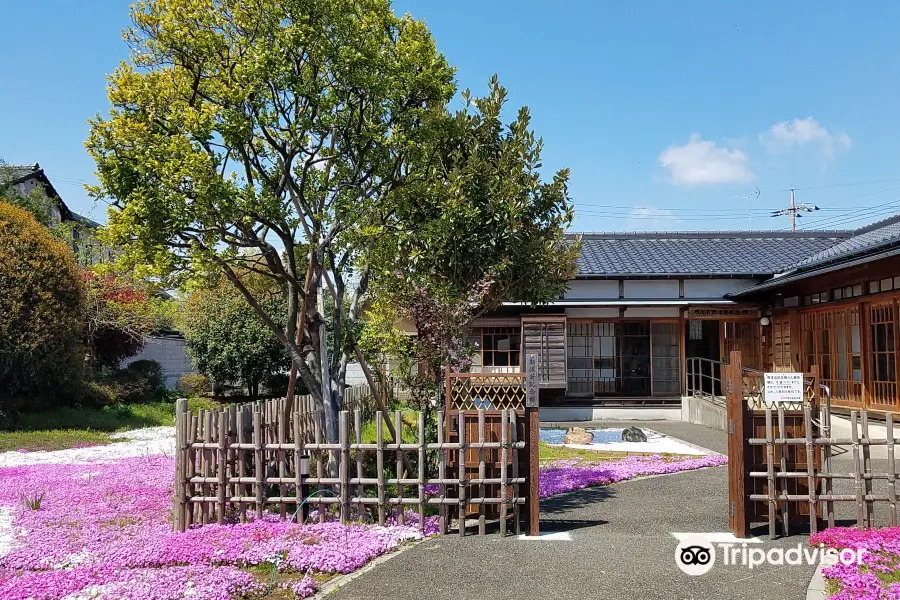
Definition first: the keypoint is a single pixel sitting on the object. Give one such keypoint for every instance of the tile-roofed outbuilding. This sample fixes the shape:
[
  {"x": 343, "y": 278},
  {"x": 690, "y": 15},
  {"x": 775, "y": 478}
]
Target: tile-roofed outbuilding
[{"x": 724, "y": 253}]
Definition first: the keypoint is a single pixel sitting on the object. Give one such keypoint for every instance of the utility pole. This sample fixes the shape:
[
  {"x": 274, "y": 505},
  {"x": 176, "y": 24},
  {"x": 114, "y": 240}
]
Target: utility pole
[{"x": 794, "y": 211}]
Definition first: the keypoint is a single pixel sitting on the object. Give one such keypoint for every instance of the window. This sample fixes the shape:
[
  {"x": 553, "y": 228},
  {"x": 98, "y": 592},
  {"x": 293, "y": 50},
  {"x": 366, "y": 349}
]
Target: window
[
  {"x": 887, "y": 284},
  {"x": 500, "y": 346},
  {"x": 816, "y": 298},
  {"x": 831, "y": 340},
  {"x": 882, "y": 319}
]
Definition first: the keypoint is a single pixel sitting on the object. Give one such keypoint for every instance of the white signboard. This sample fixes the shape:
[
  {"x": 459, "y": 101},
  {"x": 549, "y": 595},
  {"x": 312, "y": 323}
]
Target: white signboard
[{"x": 784, "y": 387}]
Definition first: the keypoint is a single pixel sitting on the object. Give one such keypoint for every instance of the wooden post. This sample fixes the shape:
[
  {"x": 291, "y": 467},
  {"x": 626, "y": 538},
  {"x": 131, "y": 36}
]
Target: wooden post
[
  {"x": 357, "y": 426},
  {"x": 258, "y": 462},
  {"x": 422, "y": 457},
  {"x": 504, "y": 456},
  {"x": 867, "y": 467},
  {"x": 482, "y": 473},
  {"x": 857, "y": 470},
  {"x": 221, "y": 465},
  {"x": 179, "y": 511},
  {"x": 344, "y": 467},
  {"x": 782, "y": 434},
  {"x": 810, "y": 468},
  {"x": 461, "y": 472},
  {"x": 532, "y": 442},
  {"x": 892, "y": 470},
  {"x": 398, "y": 439},
  {"x": 442, "y": 473},
  {"x": 770, "y": 471},
  {"x": 379, "y": 463},
  {"x": 738, "y": 447}
]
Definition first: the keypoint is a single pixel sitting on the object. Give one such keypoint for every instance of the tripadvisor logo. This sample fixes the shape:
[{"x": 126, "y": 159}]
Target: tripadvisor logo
[{"x": 696, "y": 555}]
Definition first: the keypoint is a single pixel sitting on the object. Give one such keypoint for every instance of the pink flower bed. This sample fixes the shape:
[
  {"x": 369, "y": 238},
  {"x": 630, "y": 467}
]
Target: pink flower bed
[
  {"x": 567, "y": 475},
  {"x": 877, "y": 577},
  {"x": 104, "y": 530}
]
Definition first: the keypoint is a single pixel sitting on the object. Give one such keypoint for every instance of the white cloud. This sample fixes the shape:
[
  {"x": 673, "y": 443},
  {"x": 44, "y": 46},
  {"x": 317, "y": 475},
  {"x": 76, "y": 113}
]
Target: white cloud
[
  {"x": 702, "y": 162},
  {"x": 802, "y": 132},
  {"x": 649, "y": 218}
]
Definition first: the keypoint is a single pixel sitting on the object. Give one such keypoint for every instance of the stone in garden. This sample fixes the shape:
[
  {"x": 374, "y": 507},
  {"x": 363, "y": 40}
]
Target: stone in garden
[
  {"x": 633, "y": 434},
  {"x": 578, "y": 435}
]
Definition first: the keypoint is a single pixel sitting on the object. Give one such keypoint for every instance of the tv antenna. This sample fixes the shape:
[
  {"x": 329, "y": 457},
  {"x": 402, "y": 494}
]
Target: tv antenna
[{"x": 795, "y": 210}]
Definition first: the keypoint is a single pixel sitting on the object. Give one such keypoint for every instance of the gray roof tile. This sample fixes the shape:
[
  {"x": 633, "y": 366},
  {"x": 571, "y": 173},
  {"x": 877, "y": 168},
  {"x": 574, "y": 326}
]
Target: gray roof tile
[
  {"x": 864, "y": 239},
  {"x": 700, "y": 253}
]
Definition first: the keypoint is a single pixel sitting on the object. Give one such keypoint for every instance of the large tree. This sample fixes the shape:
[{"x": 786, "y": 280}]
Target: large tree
[
  {"x": 479, "y": 228},
  {"x": 267, "y": 137}
]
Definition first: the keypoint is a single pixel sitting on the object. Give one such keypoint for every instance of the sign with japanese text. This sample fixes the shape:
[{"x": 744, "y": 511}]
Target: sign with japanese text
[
  {"x": 531, "y": 381},
  {"x": 784, "y": 387},
  {"x": 721, "y": 312}
]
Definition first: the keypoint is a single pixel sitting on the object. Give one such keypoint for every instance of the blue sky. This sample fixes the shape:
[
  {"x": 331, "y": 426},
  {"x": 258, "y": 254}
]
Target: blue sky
[{"x": 671, "y": 115}]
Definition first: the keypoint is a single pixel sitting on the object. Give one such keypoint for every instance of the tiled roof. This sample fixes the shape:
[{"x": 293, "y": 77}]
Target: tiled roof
[
  {"x": 700, "y": 253},
  {"x": 19, "y": 172},
  {"x": 864, "y": 239}
]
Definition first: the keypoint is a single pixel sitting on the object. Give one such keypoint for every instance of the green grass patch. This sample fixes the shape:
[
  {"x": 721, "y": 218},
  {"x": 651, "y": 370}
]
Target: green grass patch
[
  {"x": 67, "y": 427},
  {"x": 410, "y": 434},
  {"x": 550, "y": 453}
]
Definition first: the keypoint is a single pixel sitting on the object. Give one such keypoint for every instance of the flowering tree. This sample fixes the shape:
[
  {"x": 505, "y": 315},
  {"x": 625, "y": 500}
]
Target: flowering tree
[{"x": 119, "y": 314}]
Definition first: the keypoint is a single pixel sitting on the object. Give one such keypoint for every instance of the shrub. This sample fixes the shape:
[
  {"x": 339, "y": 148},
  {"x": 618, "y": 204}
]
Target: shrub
[
  {"x": 150, "y": 369},
  {"x": 193, "y": 384},
  {"x": 95, "y": 393},
  {"x": 129, "y": 386},
  {"x": 42, "y": 308},
  {"x": 228, "y": 342}
]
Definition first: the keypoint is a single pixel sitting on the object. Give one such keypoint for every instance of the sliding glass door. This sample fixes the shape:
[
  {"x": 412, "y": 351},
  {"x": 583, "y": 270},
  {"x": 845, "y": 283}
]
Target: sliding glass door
[{"x": 622, "y": 358}]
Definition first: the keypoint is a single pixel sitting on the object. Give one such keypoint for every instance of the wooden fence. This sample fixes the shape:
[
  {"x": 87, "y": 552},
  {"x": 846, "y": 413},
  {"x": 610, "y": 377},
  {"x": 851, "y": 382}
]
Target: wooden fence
[
  {"x": 781, "y": 460},
  {"x": 252, "y": 458}
]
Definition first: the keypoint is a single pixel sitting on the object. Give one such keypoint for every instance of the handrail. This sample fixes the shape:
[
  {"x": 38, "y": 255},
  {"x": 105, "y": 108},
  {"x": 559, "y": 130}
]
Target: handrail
[{"x": 704, "y": 377}]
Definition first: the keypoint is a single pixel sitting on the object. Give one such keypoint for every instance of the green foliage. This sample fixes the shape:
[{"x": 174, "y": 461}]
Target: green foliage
[
  {"x": 32, "y": 501},
  {"x": 42, "y": 304},
  {"x": 228, "y": 342},
  {"x": 150, "y": 369},
  {"x": 68, "y": 427},
  {"x": 193, "y": 384},
  {"x": 238, "y": 128}
]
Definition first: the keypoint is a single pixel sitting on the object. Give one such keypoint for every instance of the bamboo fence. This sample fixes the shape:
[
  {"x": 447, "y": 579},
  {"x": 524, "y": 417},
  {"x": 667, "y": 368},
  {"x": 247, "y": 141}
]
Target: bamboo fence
[{"x": 251, "y": 458}]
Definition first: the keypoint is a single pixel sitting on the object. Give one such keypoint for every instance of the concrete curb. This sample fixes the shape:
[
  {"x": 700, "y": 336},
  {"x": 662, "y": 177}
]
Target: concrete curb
[
  {"x": 342, "y": 580},
  {"x": 816, "y": 588}
]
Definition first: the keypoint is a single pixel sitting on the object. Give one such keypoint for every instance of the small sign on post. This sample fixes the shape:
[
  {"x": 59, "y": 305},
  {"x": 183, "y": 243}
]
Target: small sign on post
[
  {"x": 784, "y": 387},
  {"x": 531, "y": 381}
]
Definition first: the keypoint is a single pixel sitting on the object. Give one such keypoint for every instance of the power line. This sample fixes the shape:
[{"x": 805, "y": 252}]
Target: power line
[{"x": 837, "y": 185}]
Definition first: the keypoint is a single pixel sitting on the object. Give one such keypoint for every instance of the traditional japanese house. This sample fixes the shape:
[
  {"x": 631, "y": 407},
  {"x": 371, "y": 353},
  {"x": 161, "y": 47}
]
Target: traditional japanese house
[{"x": 647, "y": 311}]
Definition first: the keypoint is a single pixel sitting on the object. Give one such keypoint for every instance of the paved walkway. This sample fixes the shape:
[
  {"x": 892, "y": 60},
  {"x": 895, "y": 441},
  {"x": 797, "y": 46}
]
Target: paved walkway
[{"x": 621, "y": 548}]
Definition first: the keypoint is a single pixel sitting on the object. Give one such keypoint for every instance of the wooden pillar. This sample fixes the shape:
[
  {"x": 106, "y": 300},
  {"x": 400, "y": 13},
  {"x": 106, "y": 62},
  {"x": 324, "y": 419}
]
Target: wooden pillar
[
  {"x": 179, "y": 509},
  {"x": 738, "y": 448},
  {"x": 532, "y": 443}
]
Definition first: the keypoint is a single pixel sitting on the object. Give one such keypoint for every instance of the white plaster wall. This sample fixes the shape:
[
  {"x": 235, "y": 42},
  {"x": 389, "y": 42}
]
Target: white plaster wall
[
  {"x": 714, "y": 288},
  {"x": 597, "y": 289},
  {"x": 606, "y": 312},
  {"x": 355, "y": 375},
  {"x": 171, "y": 353},
  {"x": 662, "y": 288},
  {"x": 651, "y": 311}
]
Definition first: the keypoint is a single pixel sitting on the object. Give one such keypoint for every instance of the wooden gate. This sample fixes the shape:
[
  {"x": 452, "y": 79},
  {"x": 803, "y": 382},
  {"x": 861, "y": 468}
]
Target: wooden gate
[{"x": 769, "y": 479}]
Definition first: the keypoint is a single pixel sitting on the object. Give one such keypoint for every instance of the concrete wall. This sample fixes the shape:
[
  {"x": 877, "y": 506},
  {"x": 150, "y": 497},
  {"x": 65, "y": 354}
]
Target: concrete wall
[
  {"x": 171, "y": 353},
  {"x": 704, "y": 411}
]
